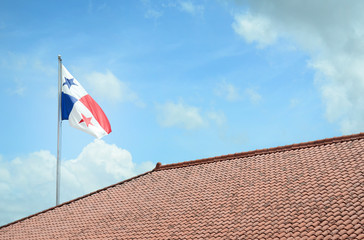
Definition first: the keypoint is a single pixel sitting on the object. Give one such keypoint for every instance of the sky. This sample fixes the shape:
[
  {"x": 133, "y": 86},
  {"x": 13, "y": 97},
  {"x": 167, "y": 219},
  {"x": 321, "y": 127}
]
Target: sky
[{"x": 179, "y": 80}]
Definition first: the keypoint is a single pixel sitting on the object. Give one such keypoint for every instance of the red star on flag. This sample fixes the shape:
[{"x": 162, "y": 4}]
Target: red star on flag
[{"x": 86, "y": 120}]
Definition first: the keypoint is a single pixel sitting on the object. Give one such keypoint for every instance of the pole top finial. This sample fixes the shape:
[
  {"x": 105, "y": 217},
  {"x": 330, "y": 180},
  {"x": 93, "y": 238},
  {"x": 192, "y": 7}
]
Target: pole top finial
[{"x": 59, "y": 57}]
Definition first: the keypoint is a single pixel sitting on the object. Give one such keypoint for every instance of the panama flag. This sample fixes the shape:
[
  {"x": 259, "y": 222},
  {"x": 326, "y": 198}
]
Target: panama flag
[{"x": 80, "y": 109}]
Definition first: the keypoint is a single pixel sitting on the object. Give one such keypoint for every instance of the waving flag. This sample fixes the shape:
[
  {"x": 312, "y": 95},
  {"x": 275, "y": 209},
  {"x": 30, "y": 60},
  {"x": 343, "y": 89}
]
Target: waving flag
[{"x": 80, "y": 109}]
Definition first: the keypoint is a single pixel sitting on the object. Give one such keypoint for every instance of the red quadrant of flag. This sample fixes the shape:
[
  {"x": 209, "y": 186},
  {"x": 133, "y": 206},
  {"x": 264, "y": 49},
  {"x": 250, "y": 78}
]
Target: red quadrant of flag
[{"x": 97, "y": 112}]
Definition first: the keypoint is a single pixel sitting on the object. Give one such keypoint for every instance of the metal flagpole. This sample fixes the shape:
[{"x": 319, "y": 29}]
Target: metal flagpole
[{"x": 59, "y": 129}]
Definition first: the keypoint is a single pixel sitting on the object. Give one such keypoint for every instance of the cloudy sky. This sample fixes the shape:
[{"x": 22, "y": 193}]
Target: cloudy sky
[{"x": 179, "y": 80}]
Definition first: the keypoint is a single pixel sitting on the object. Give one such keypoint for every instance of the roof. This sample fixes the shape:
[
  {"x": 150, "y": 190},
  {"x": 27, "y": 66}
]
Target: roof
[{"x": 312, "y": 190}]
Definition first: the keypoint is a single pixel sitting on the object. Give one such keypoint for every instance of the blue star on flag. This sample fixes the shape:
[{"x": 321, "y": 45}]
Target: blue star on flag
[{"x": 69, "y": 82}]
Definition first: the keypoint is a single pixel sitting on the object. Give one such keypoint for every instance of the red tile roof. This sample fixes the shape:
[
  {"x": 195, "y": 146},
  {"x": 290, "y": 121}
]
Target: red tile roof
[{"x": 311, "y": 190}]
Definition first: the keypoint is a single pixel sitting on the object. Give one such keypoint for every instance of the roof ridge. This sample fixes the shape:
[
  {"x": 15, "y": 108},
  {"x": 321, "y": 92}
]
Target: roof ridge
[
  {"x": 284, "y": 148},
  {"x": 75, "y": 199}
]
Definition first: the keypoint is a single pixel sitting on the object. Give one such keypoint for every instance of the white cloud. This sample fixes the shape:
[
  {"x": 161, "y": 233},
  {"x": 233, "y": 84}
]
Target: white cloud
[
  {"x": 156, "y": 10},
  {"x": 144, "y": 167},
  {"x": 332, "y": 32},
  {"x": 108, "y": 86},
  {"x": 231, "y": 93},
  {"x": 218, "y": 117},
  {"x": 253, "y": 96},
  {"x": 31, "y": 178},
  {"x": 180, "y": 115},
  {"x": 152, "y": 13},
  {"x": 26, "y": 179},
  {"x": 189, "y": 7},
  {"x": 99, "y": 164},
  {"x": 255, "y": 29},
  {"x": 187, "y": 117},
  {"x": 227, "y": 91},
  {"x": 152, "y": 9}
]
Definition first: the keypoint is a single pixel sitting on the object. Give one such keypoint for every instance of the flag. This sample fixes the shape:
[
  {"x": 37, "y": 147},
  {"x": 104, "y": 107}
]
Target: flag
[{"x": 80, "y": 109}]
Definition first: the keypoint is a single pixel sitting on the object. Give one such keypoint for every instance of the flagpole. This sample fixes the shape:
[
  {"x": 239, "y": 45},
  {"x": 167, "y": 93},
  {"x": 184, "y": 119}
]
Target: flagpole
[{"x": 59, "y": 130}]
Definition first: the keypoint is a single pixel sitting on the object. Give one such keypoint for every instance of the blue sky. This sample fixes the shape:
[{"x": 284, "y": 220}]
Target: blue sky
[{"x": 179, "y": 80}]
